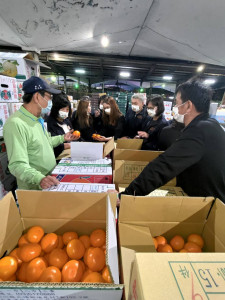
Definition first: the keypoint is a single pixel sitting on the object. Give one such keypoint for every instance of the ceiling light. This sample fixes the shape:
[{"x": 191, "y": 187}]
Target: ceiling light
[
  {"x": 53, "y": 78},
  {"x": 124, "y": 74},
  {"x": 80, "y": 71},
  {"x": 56, "y": 55},
  {"x": 167, "y": 77},
  {"x": 200, "y": 68},
  {"x": 209, "y": 81},
  {"x": 171, "y": 97},
  {"x": 105, "y": 41},
  {"x": 163, "y": 85}
]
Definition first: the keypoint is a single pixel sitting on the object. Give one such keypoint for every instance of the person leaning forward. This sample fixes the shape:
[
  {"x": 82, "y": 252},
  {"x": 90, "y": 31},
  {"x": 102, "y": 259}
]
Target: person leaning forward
[
  {"x": 29, "y": 145},
  {"x": 197, "y": 157}
]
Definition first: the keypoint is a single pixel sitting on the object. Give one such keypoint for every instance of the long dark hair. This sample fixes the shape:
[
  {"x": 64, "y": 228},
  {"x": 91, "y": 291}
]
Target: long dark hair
[
  {"x": 84, "y": 119},
  {"x": 115, "y": 113},
  {"x": 58, "y": 102}
]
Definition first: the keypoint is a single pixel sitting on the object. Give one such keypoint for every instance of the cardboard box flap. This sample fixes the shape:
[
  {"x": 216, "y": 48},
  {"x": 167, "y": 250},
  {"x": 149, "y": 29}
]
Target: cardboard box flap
[
  {"x": 215, "y": 226},
  {"x": 40, "y": 204},
  {"x": 164, "y": 209},
  {"x": 108, "y": 147},
  {"x": 134, "y": 144},
  {"x": 111, "y": 243},
  {"x": 39, "y": 63},
  {"x": 135, "y": 155},
  {"x": 10, "y": 223}
]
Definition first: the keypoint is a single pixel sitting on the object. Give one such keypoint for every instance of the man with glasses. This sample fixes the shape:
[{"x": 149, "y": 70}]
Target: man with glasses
[
  {"x": 29, "y": 145},
  {"x": 197, "y": 158}
]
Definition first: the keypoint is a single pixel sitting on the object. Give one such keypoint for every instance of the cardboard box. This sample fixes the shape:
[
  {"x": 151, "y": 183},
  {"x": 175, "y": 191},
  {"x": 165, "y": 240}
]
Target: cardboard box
[
  {"x": 104, "y": 162},
  {"x": 8, "y": 89},
  {"x": 4, "y": 114},
  {"x": 178, "y": 276},
  {"x": 13, "y": 107},
  {"x": 82, "y": 187},
  {"x": 134, "y": 144},
  {"x": 135, "y": 155},
  {"x": 163, "y": 191},
  {"x": 142, "y": 218},
  {"x": 80, "y": 212}
]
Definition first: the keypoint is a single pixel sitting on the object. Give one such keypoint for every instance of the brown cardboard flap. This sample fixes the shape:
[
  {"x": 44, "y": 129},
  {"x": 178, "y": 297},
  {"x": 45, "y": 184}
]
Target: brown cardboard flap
[
  {"x": 135, "y": 155},
  {"x": 62, "y": 205},
  {"x": 134, "y": 144},
  {"x": 215, "y": 227},
  {"x": 11, "y": 225},
  {"x": 108, "y": 147},
  {"x": 164, "y": 209}
]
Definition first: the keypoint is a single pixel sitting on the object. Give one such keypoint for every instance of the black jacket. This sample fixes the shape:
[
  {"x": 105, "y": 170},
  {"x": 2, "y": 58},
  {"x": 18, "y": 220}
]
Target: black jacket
[
  {"x": 170, "y": 134},
  {"x": 114, "y": 130},
  {"x": 97, "y": 122},
  {"x": 85, "y": 133},
  {"x": 55, "y": 129},
  {"x": 197, "y": 158},
  {"x": 135, "y": 122},
  {"x": 153, "y": 128}
]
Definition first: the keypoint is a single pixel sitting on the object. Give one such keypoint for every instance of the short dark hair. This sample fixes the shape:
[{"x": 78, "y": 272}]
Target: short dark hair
[
  {"x": 102, "y": 98},
  {"x": 28, "y": 97},
  {"x": 198, "y": 93},
  {"x": 158, "y": 102},
  {"x": 58, "y": 102}
]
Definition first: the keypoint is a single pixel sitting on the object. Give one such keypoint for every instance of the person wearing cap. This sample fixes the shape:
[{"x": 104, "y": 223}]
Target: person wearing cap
[{"x": 29, "y": 145}]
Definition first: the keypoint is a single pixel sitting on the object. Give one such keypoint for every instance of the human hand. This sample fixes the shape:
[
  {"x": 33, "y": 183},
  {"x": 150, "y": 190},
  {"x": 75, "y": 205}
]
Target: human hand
[
  {"x": 67, "y": 146},
  {"x": 143, "y": 134},
  {"x": 137, "y": 137},
  {"x": 48, "y": 181},
  {"x": 102, "y": 138},
  {"x": 68, "y": 137}
]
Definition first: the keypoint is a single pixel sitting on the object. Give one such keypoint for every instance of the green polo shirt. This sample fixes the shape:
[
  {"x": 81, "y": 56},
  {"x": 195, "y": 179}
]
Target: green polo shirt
[{"x": 29, "y": 148}]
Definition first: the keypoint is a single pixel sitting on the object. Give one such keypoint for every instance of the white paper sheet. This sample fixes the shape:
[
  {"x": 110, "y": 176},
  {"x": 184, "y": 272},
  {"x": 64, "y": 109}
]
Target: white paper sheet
[{"x": 86, "y": 151}]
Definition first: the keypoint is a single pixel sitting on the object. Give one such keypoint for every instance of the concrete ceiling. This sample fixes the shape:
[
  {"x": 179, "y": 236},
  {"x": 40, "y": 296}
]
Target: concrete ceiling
[{"x": 175, "y": 29}]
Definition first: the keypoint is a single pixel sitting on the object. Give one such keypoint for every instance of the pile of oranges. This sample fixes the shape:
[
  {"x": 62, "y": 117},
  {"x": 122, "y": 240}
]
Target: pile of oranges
[
  {"x": 76, "y": 133},
  {"x": 49, "y": 257},
  {"x": 194, "y": 243},
  {"x": 95, "y": 135}
]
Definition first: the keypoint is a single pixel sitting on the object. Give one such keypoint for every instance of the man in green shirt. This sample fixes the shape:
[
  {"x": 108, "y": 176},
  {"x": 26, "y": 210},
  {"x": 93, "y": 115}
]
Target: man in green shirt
[{"x": 29, "y": 145}]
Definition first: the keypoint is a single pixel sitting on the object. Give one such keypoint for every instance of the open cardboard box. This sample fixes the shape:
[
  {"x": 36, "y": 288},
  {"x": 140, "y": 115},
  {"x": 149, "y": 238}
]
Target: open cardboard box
[
  {"x": 134, "y": 144},
  {"x": 142, "y": 218},
  {"x": 59, "y": 212}
]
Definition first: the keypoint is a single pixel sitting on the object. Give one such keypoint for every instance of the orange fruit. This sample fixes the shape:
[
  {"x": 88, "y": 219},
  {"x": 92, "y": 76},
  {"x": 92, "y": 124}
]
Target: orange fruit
[
  {"x": 58, "y": 258},
  {"x": 75, "y": 249},
  {"x": 86, "y": 272},
  {"x": 14, "y": 253},
  {"x": 98, "y": 238},
  {"x": 35, "y": 234},
  {"x": 21, "y": 274},
  {"x": 28, "y": 252},
  {"x": 23, "y": 240},
  {"x": 183, "y": 250},
  {"x": 85, "y": 240},
  {"x": 35, "y": 269},
  {"x": 161, "y": 240},
  {"x": 98, "y": 135},
  {"x": 8, "y": 267},
  {"x": 49, "y": 242},
  {"x": 165, "y": 248},
  {"x": 197, "y": 239},
  {"x": 72, "y": 271},
  {"x": 106, "y": 275},
  {"x": 50, "y": 274},
  {"x": 93, "y": 277},
  {"x": 94, "y": 135},
  {"x": 69, "y": 236},
  {"x": 155, "y": 243},
  {"x": 60, "y": 242},
  {"x": 192, "y": 247},
  {"x": 12, "y": 278},
  {"x": 177, "y": 243},
  {"x": 94, "y": 258},
  {"x": 76, "y": 133}
]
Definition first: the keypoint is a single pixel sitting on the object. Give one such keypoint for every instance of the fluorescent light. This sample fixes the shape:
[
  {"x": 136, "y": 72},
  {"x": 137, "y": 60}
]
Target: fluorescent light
[
  {"x": 56, "y": 55},
  {"x": 209, "y": 81},
  {"x": 80, "y": 71},
  {"x": 167, "y": 77},
  {"x": 124, "y": 74},
  {"x": 163, "y": 85},
  {"x": 105, "y": 41},
  {"x": 171, "y": 97},
  {"x": 53, "y": 78},
  {"x": 200, "y": 68}
]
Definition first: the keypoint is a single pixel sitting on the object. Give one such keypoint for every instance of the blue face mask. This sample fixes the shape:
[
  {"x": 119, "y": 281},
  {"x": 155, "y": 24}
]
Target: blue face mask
[{"x": 46, "y": 110}]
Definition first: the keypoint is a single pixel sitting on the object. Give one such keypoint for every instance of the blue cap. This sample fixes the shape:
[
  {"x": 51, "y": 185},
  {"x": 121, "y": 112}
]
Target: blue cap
[{"x": 35, "y": 84}]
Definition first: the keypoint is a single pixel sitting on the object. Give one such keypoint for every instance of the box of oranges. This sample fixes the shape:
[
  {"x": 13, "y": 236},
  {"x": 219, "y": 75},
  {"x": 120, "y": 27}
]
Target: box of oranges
[
  {"x": 58, "y": 245},
  {"x": 169, "y": 225}
]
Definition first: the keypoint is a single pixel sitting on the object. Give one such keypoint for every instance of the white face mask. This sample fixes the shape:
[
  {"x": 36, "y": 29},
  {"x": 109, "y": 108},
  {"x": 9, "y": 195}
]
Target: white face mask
[
  {"x": 63, "y": 114},
  {"x": 151, "y": 112},
  {"x": 178, "y": 117},
  {"x": 101, "y": 106},
  {"x": 135, "y": 108},
  {"x": 108, "y": 110}
]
